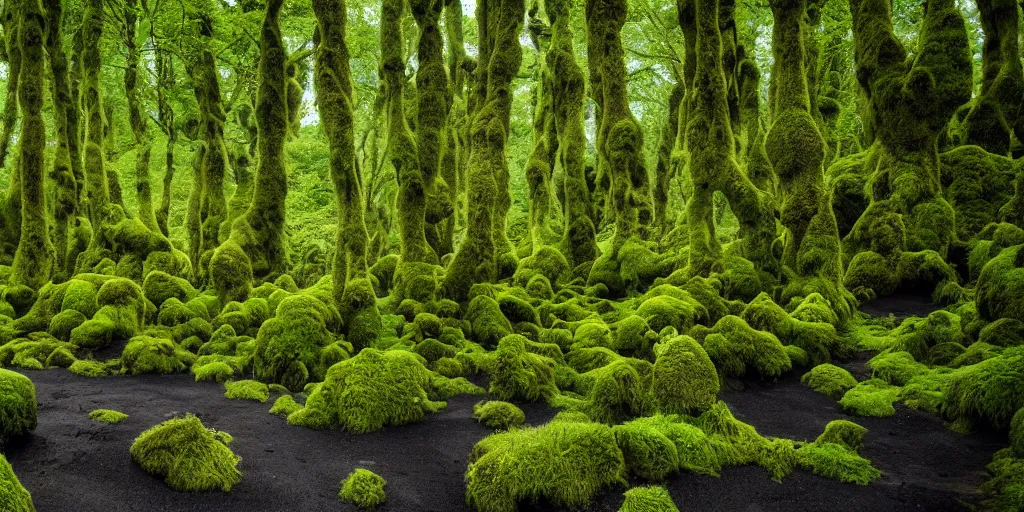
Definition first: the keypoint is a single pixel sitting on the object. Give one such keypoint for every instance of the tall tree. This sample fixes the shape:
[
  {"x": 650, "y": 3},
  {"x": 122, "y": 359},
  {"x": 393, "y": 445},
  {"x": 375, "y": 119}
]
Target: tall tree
[
  {"x": 34, "y": 259},
  {"x": 499, "y": 23},
  {"x": 138, "y": 122},
  {"x": 995, "y": 115},
  {"x": 332, "y": 80},
  {"x": 97, "y": 191}
]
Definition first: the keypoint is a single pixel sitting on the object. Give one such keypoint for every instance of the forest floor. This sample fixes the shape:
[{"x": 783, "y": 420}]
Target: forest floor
[{"x": 72, "y": 463}]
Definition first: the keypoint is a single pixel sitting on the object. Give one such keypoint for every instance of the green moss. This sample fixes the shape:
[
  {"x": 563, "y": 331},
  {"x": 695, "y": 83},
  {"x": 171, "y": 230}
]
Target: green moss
[
  {"x": 160, "y": 286},
  {"x": 798, "y": 356},
  {"x": 488, "y": 324},
  {"x": 648, "y": 499},
  {"x": 829, "y": 379},
  {"x": 288, "y": 346},
  {"x": 146, "y": 354},
  {"x": 120, "y": 315},
  {"x": 189, "y": 456},
  {"x": 873, "y": 397},
  {"x": 1005, "y": 489},
  {"x": 14, "y": 497},
  {"x": 370, "y": 391},
  {"x": 659, "y": 445},
  {"x": 519, "y": 374},
  {"x": 86, "y": 368},
  {"x": 992, "y": 390},
  {"x": 735, "y": 348},
  {"x": 64, "y": 322},
  {"x": 1000, "y": 289},
  {"x": 498, "y": 415},
  {"x": 217, "y": 371},
  {"x": 60, "y": 358},
  {"x": 1005, "y": 332},
  {"x": 614, "y": 393},
  {"x": 364, "y": 488},
  {"x": 896, "y": 367},
  {"x": 665, "y": 310},
  {"x": 285, "y": 405},
  {"x": 834, "y": 461},
  {"x": 108, "y": 416},
  {"x": 17, "y": 406},
  {"x": 231, "y": 272},
  {"x": 246, "y": 390},
  {"x": 564, "y": 462},
  {"x": 684, "y": 379}
]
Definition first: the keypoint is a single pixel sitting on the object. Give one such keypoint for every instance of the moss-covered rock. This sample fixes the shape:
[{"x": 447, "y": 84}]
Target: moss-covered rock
[
  {"x": 519, "y": 374},
  {"x": 498, "y": 415},
  {"x": 684, "y": 378},
  {"x": 829, "y": 379},
  {"x": 372, "y": 390},
  {"x": 873, "y": 397},
  {"x": 17, "y": 405},
  {"x": 12, "y": 494},
  {"x": 834, "y": 454},
  {"x": 735, "y": 348},
  {"x": 187, "y": 455},
  {"x": 991, "y": 390},
  {"x": 147, "y": 354},
  {"x": 564, "y": 462},
  {"x": 247, "y": 390},
  {"x": 648, "y": 499},
  {"x": 488, "y": 323},
  {"x": 285, "y": 405},
  {"x": 364, "y": 488}
]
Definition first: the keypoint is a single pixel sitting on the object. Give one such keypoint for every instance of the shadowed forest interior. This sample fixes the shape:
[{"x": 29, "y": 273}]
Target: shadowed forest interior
[{"x": 613, "y": 250}]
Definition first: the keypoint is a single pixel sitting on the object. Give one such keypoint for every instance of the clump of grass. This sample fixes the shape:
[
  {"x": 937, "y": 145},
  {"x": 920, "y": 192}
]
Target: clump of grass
[
  {"x": 247, "y": 390},
  {"x": 107, "y": 416},
  {"x": 364, "y": 488},
  {"x": 188, "y": 455},
  {"x": 498, "y": 415}
]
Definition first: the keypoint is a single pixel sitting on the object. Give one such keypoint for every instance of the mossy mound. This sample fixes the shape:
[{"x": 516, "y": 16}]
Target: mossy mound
[
  {"x": 873, "y": 397},
  {"x": 364, "y": 488},
  {"x": 896, "y": 368},
  {"x": 247, "y": 390},
  {"x": 217, "y": 371},
  {"x": 684, "y": 378},
  {"x": 285, "y": 405},
  {"x": 120, "y": 316},
  {"x": 648, "y": 499},
  {"x": 519, "y": 374},
  {"x": 88, "y": 368},
  {"x": 657, "y": 446},
  {"x": 1000, "y": 289},
  {"x": 13, "y": 496},
  {"x": 498, "y": 415},
  {"x": 834, "y": 454},
  {"x": 146, "y": 354},
  {"x": 992, "y": 390},
  {"x": 829, "y": 379},
  {"x": 736, "y": 349},
  {"x": 288, "y": 346},
  {"x": 187, "y": 455},
  {"x": 565, "y": 463},
  {"x": 17, "y": 405},
  {"x": 108, "y": 416},
  {"x": 372, "y": 390}
]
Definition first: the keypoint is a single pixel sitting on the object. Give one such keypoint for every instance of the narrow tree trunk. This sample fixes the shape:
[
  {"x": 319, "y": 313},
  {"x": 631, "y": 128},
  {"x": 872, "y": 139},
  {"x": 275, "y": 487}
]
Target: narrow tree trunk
[{"x": 139, "y": 123}]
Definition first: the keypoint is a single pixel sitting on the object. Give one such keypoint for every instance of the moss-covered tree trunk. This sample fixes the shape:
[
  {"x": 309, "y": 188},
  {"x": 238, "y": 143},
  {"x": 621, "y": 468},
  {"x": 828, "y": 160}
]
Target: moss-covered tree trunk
[
  {"x": 567, "y": 96},
  {"x": 202, "y": 69},
  {"x": 499, "y": 23},
  {"x": 712, "y": 158},
  {"x": 796, "y": 150},
  {"x": 402, "y": 150},
  {"x": 260, "y": 232},
  {"x": 332, "y": 80},
  {"x": 665, "y": 170},
  {"x": 67, "y": 163},
  {"x": 431, "y": 115},
  {"x": 995, "y": 115},
  {"x": 909, "y": 107},
  {"x": 97, "y": 191},
  {"x": 33, "y": 261},
  {"x": 165, "y": 113},
  {"x": 10, "y": 202},
  {"x": 138, "y": 122},
  {"x": 541, "y": 162},
  {"x": 453, "y": 163}
]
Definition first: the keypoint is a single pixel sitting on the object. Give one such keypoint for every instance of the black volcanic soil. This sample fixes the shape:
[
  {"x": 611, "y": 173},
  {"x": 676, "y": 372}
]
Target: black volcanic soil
[{"x": 71, "y": 463}]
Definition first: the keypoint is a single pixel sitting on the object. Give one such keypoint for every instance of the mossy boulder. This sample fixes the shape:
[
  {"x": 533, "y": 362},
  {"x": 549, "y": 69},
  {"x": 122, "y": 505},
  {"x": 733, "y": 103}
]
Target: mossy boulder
[
  {"x": 187, "y": 455},
  {"x": 488, "y": 323},
  {"x": 17, "y": 405},
  {"x": 684, "y": 378},
  {"x": 829, "y": 379},
  {"x": 108, "y": 416},
  {"x": 834, "y": 454},
  {"x": 736, "y": 349},
  {"x": 372, "y": 390},
  {"x": 519, "y": 374},
  {"x": 160, "y": 286},
  {"x": 247, "y": 390},
  {"x": 13, "y": 496},
  {"x": 288, "y": 346},
  {"x": 498, "y": 415},
  {"x": 148, "y": 354},
  {"x": 565, "y": 463},
  {"x": 1000, "y": 289}
]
